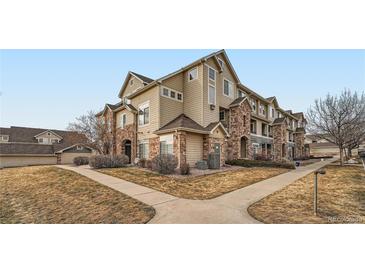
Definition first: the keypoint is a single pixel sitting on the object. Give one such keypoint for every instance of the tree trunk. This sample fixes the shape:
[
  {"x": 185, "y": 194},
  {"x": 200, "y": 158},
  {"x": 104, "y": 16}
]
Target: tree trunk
[{"x": 341, "y": 156}]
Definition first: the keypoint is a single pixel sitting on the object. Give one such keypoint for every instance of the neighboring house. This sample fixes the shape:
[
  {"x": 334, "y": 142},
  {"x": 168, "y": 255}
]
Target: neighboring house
[
  {"x": 319, "y": 146},
  {"x": 22, "y": 146},
  {"x": 200, "y": 109}
]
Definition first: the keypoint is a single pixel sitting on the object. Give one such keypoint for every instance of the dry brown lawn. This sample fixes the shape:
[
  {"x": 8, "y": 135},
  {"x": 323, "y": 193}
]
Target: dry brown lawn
[
  {"x": 52, "y": 195},
  {"x": 341, "y": 199},
  {"x": 199, "y": 187}
]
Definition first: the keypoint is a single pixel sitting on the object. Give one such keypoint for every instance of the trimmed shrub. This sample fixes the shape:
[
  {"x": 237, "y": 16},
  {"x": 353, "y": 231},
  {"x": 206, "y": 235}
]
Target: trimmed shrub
[
  {"x": 149, "y": 164},
  {"x": 261, "y": 157},
  {"x": 142, "y": 162},
  {"x": 303, "y": 158},
  {"x": 81, "y": 160},
  {"x": 201, "y": 165},
  {"x": 108, "y": 161},
  {"x": 185, "y": 169},
  {"x": 257, "y": 163},
  {"x": 164, "y": 164}
]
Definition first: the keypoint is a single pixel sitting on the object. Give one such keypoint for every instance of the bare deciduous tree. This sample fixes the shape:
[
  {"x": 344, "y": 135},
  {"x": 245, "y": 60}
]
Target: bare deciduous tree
[
  {"x": 96, "y": 130},
  {"x": 336, "y": 118}
]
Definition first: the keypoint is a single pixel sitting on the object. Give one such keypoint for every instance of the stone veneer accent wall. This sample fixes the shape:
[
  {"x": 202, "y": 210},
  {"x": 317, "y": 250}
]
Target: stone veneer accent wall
[
  {"x": 239, "y": 126},
  {"x": 123, "y": 134},
  {"x": 208, "y": 147},
  {"x": 279, "y": 135},
  {"x": 179, "y": 147},
  {"x": 109, "y": 116},
  {"x": 154, "y": 146},
  {"x": 299, "y": 144}
]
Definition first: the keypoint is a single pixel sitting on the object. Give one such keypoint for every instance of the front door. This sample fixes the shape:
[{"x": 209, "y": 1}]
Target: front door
[{"x": 128, "y": 150}]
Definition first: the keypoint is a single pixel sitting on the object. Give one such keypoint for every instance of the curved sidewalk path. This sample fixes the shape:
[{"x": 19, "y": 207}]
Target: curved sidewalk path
[{"x": 230, "y": 208}]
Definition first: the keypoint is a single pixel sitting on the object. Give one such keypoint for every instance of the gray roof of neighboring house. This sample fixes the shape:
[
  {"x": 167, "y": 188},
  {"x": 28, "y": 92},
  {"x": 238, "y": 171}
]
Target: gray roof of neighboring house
[
  {"x": 237, "y": 101},
  {"x": 145, "y": 79},
  {"x": 270, "y": 98},
  {"x": 22, "y": 140},
  {"x": 21, "y": 148}
]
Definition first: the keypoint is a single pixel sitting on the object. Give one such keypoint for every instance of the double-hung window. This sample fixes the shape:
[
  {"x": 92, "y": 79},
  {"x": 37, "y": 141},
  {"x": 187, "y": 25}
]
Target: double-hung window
[
  {"x": 211, "y": 73},
  {"x": 211, "y": 95},
  {"x": 143, "y": 149},
  {"x": 123, "y": 120},
  {"x": 166, "y": 144},
  {"x": 144, "y": 114},
  {"x": 227, "y": 88},
  {"x": 222, "y": 115}
]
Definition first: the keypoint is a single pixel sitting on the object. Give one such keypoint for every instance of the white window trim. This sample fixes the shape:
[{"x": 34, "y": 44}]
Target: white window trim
[
  {"x": 197, "y": 74},
  {"x": 232, "y": 92},
  {"x": 169, "y": 96},
  {"x": 4, "y": 138},
  {"x": 144, "y": 105},
  {"x": 215, "y": 74},
  {"x": 215, "y": 94},
  {"x": 121, "y": 121}
]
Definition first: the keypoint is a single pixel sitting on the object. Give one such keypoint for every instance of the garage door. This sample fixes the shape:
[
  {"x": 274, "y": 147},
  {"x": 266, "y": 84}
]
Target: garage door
[
  {"x": 68, "y": 158},
  {"x": 194, "y": 148}
]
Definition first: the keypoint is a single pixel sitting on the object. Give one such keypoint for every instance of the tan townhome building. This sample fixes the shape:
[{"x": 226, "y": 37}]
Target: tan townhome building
[{"x": 199, "y": 110}]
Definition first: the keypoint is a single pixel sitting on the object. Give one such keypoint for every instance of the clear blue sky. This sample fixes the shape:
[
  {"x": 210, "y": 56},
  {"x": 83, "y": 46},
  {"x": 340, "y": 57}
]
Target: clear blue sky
[{"x": 49, "y": 88}]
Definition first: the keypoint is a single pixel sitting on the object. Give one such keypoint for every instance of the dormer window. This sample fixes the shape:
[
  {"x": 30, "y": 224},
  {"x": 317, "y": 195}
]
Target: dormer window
[
  {"x": 40, "y": 140},
  {"x": 79, "y": 147},
  {"x": 54, "y": 140}
]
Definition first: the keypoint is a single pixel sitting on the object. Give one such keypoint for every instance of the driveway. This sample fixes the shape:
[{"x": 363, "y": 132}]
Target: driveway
[{"x": 230, "y": 208}]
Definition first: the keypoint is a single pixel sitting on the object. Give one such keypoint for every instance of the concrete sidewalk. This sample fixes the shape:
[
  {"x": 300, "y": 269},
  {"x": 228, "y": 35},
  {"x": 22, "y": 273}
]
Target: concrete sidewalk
[{"x": 230, "y": 208}]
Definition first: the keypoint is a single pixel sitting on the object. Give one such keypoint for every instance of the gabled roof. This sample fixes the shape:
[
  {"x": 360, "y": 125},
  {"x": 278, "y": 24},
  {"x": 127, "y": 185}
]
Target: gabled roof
[
  {"x": 183, "y": 122},
  {"x": 191, "y": 65},
  {"x": 49, "y": 131},
  {"x": 144, "y": 80},
  {"x": 238, "y": 101},
  {"x": 279, "y": 121}
]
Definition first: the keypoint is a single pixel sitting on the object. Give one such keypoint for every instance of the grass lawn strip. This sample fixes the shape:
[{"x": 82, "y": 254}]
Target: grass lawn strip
[
  {"x": 52, "y": 195},
  {"x": 200, "y": 187},
  {"x": 341, "y": 199}
]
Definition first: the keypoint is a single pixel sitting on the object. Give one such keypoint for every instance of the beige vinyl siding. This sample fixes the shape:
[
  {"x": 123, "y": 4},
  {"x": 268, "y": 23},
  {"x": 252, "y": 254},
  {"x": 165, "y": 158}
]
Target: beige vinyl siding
[
  {"x": 193, "y": 96},
  {"x": 47, "y": 138},
  {"x": 67, "y": 158},
  {"x": 175, "y": 82},
  {"x": 211, "y": 116},
  {"x": 118, "y": 116},
  {"x": 194, "y": 148},
  {"x": 131, "y": 88},
  {"x": 218, "y": 133},
  {"x": 14, "y": 161},
  {"x": 153, "y": 96},
  {"x": 169, "y": 110}
]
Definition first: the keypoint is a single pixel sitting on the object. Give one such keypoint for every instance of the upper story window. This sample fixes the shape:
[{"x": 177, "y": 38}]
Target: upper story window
[
  {"x": 54, "y": 140},
  {"x": 211, "y": 95},
  {"x": 270, "y": 131},
  {"x": 262, "y": 109},
  {"x": 227, "y": 88},
  {"x": 193, "y": 74},
  {"x": 4, "y": 138},
  {"x": 240, "y": 93},
  {"x": 222, "y": 115},
  {"x": 264, "y": 129},
  {"x": 40, "y": 140},
  {"x": 272, "y": 112},
  {"x": 123, "y": 121},
  {"x": 172, "y": 94},
  {"x": 211, "y": 73},
  {"x": 253, "y": 102},
  {"x": 144, "y": 114},
  {"x": 253, "y": 126}
]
